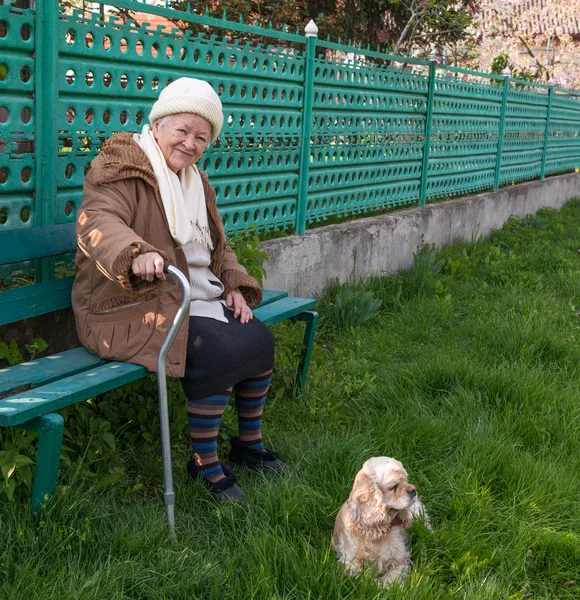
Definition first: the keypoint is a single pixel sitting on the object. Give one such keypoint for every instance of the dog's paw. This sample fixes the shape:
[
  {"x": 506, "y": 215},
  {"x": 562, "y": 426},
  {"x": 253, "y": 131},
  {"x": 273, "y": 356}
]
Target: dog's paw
[
  {"x": 420, "y": 514},
  {"x": 395, "y": 575}
]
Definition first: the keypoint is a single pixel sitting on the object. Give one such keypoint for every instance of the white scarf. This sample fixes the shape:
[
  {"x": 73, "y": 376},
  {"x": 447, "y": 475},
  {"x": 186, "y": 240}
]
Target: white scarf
[{"x": 182, "y": 195}]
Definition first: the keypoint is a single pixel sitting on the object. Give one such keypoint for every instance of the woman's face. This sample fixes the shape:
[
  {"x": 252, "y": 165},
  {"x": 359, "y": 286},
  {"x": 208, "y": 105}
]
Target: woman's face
[{"x": 182, "y": 138}]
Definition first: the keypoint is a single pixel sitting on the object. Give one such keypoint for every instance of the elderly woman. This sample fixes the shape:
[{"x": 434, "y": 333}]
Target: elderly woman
[{"x": 145, "y": 202}]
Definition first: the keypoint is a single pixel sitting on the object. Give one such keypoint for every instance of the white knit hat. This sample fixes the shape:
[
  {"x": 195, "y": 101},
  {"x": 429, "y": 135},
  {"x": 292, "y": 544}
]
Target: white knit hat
[{"x": 188, "y": 95}]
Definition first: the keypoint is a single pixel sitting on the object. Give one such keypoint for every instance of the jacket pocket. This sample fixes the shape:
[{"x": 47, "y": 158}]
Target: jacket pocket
[
  {"x": 121, "y": 332},
  {"x": 117, "y": 307}
]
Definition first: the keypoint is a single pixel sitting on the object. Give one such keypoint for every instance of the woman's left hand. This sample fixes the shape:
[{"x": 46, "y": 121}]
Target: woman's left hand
[{"x": 235, "y": 300}]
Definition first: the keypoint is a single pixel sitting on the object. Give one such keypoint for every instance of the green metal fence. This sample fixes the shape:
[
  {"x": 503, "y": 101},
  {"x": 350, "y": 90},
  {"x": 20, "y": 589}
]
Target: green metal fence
[{"x": 313, "y": 129}]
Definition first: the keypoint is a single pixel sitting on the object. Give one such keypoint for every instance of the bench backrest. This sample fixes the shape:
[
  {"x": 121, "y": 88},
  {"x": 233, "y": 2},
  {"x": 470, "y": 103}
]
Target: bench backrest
[
  {"x": 47, "y": 296},
  {"x": 42, "y": 297}
]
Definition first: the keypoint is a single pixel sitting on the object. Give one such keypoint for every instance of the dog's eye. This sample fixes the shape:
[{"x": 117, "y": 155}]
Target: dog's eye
[{"x": 393, "y": 489}]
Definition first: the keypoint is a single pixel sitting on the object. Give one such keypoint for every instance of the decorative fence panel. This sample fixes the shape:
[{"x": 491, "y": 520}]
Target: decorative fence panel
[
  {"x": 464, "y": 134},
  {"x": 367, "y": 136},
  {"x": 17, "y": 118},
  {"x": 564, "y": 135},
  {"x": 313, "y": 129},
  {"x": 525, "y": 125},
  {"x": 110, "y": 73}
]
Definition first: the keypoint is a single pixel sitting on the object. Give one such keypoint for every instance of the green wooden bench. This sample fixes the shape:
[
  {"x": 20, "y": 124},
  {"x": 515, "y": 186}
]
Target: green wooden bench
[{"x": 31, "y": 392}]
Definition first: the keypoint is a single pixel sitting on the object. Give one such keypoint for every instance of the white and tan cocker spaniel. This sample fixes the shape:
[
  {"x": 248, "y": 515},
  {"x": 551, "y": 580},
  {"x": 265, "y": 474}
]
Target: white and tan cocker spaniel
[{"x": 370, "y": 528}]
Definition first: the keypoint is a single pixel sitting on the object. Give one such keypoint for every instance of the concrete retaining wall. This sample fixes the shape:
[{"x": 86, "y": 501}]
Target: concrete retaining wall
[{"x": 305, "y": 265}]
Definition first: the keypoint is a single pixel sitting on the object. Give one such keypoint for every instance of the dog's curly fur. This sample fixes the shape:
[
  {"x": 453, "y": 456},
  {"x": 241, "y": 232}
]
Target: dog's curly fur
[{"x": 370, "y": 528}]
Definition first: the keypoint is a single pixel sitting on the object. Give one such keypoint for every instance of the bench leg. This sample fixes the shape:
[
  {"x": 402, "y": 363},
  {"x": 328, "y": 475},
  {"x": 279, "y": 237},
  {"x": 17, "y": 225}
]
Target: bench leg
[
  {"x": 311, "y": 318},
  {"x": 50, "y": 429}
]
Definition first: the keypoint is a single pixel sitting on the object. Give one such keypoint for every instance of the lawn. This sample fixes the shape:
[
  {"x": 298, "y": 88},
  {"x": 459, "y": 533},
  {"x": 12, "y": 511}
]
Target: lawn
[{"x": 469, "y": 375}]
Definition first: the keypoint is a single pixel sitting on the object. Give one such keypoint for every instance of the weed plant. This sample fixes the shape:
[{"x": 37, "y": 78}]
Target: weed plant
[
  {"x": 354, "y": 307},
  {"x": 469, "y": 375}
]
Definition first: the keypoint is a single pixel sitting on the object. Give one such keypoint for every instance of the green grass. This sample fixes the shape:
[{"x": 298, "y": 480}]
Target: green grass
[{"x": 469, "y": 376}]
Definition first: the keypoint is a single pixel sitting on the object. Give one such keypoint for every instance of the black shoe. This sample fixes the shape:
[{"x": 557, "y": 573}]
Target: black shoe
[
  {"x": 224, "y": 490},
  {"x": 260, "y": 460}
]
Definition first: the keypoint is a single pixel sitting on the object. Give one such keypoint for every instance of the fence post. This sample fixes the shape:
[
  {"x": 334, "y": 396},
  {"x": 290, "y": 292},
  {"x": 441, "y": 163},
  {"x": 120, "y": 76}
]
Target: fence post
[
  {"x": 311, "y": 31},
  {"x": 428, "y": 120},
  {"x": 506, "y": 86},
  {"x": 547, "y": 131},
  {"x": 45, "y": 100},
  {"x": 46, "y": 57}
]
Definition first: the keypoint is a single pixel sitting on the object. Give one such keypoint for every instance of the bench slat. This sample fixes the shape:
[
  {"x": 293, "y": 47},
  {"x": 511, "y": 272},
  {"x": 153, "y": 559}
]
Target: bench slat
[
  {"x": 36, "y": 242},
  {"x": 34, "y": 300},
  {"x": 270, "y": 296},
  {"x": 58, "y": 394},
  {"x": 44, "y": 370},
  {"x": 284, "y": 309}
]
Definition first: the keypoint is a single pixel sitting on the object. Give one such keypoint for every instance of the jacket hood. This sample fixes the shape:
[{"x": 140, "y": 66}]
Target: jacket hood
[{"x": 122, "y": 158}]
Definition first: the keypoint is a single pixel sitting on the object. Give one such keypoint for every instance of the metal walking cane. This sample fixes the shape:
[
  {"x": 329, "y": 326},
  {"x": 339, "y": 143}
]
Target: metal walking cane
[{"x": 169, "y": 494}]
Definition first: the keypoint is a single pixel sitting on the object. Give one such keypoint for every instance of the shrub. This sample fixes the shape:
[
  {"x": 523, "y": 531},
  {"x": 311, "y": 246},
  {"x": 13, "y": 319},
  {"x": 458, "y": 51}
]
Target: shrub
[{"x": 246, "y": 245}]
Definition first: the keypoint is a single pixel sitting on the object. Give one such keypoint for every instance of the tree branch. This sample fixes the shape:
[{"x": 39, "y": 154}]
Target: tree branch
[
  {"x": 411, "y": 37},
  {"x": 404, "y": 32},
  {"x": 531, "y": 53}
]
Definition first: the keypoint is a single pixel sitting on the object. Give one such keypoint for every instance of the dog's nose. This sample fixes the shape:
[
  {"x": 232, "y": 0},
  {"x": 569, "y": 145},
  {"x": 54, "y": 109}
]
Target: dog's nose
[{"x": 412, "y": 491}]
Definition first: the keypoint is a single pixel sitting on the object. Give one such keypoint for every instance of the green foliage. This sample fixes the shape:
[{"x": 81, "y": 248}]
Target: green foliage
[
  {"x": 353, "y": 376},
  {"x": 429, "y": 23},
  {"x": 499, "y": 63},
  {"x": 246, "y": 245},
  {"x": 11, "y": 353},
  {"x": 133, "y": 410},
  {"x": 17, "y": 447},
  {"x": 340, "y": 377},
  {"x": 37, "y": 346},
  {"x": 16, "y": 463},
  {"x": 87, "y": 437},
  {"x": 423, "y": 280},
  {"x": 355, "y": 307}
]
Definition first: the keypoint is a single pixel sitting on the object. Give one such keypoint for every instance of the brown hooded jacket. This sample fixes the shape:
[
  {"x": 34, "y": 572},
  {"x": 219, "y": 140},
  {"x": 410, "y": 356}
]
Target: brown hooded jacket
[{"x": 119, "y": 316}]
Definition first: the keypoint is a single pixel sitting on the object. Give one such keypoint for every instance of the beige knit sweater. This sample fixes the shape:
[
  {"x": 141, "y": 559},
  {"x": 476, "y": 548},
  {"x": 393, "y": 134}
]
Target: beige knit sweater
[{"x": 206, "y": 288}]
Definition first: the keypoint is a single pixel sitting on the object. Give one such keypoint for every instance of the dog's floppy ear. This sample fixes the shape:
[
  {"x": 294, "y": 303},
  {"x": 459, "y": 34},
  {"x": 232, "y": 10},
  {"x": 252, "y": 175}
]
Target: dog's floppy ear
[
  {"x": 363, "y": 488},
  {"x": 366, "y": 514}
]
